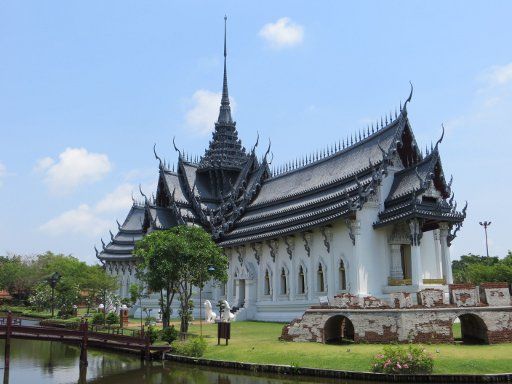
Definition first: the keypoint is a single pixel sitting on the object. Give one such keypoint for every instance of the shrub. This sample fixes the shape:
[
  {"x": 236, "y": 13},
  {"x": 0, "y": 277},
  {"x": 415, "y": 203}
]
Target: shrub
[
  {"x": 98, "y": 318},
  {"x": 192, "y": 347},
  {"x": 112, "y": 318},
  {"x": 400, "y": 360},
  {"x": 152, "y": 332},
  {"x": 169, "y": 334}
]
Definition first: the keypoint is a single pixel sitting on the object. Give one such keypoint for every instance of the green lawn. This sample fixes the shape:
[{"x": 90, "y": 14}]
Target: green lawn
[{"x": 257, "y": 342}]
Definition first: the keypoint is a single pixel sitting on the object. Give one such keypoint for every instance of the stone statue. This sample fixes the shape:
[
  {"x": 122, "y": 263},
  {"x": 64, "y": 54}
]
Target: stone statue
[
  {"x": 226, "y": 314},
  {"x": 209, "y": 314}
]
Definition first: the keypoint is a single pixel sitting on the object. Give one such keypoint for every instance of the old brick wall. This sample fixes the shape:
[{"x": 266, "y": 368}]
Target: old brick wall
[
  {"x": 464, "y": 295},
  {"x": 425, "y": 325},
  {"x": 495, "y": 294}
]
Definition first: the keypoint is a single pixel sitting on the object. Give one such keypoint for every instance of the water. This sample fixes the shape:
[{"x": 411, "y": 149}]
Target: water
[{"x": 45, "y": 362}]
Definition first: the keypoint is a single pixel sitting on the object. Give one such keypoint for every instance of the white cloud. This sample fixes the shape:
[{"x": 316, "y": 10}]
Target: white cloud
[
  {"x": 283, "y": 33},
  {"x": 43, "y": 164},
  {"x": 499, "y": 74},
  {"x": 94, "y": 220},
  {"x": 117, "y": 200},
  {"x": 75, "y": 167},
  {"x": 200, "y": 119},
  {"x": 82, "y": 220}
]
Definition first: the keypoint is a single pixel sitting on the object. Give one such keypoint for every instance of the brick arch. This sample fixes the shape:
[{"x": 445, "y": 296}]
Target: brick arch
[
  {"x": 338, "y": 329},
  {"x": 474, "y": 329}
]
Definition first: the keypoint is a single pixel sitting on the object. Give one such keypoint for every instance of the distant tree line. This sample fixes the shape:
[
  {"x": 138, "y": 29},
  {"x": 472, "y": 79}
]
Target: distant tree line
[
  {"x": 477, "y": 269},
  {"x": 26, "y": 278}
]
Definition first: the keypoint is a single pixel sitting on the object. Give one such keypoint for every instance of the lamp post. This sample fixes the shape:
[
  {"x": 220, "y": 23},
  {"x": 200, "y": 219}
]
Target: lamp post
[
  {"x": 53, "y": 280},
  {"x": 486, "y": 224}
]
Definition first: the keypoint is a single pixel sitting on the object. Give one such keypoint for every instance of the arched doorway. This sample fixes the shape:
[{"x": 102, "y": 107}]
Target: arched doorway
[
  {"x": 338, "y": 329},
  {"x": 472, "y": 330}
]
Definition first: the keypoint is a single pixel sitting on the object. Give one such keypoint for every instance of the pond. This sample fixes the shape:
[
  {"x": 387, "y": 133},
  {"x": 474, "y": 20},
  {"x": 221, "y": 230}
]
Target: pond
[{"x": 45, "y": 362}]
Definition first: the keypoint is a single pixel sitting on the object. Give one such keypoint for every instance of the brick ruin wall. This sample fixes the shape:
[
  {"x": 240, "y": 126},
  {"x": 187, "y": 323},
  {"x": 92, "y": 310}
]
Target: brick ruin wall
[{"x": 431, "y": 321}]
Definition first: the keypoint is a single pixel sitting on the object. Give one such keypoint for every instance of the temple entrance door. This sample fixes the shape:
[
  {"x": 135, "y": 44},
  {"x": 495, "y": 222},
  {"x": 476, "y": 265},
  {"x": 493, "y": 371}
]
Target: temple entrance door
[{"x": 241, "y": 293}]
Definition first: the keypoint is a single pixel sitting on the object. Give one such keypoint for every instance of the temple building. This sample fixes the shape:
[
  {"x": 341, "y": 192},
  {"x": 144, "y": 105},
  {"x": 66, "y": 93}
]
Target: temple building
[{"x": 370, "y": 215}]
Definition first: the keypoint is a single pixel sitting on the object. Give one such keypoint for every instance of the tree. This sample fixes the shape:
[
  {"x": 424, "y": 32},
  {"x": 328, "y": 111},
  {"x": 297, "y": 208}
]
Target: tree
[
  {"x": 157, "y": 267},
  {"x": 176, "y": 260},
  {"x": 200, "y": 260},
  {"x": 477, "y": 269},
  {"x": 18, "y": 276},
  {"x": 98, "y": 285}
]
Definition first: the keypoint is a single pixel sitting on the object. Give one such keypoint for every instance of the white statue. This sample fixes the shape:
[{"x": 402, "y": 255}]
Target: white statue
[
  {"x": 226, "y": 313},
  {"x": 210, "y": 315}
]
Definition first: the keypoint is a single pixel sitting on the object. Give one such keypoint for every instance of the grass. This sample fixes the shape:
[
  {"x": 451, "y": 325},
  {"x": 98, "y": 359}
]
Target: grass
[
  {"x": 257, "y": 342},
  {"x": 26, "y": 311}
]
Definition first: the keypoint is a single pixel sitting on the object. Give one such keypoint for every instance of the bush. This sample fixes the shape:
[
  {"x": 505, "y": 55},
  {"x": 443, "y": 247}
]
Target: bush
[
  {"x": 112, "y": 318},
  {"x": 152, "y": 332},
  {"x": 191, "y": 347},
  {"x": 98, "y": 318},
  {"x": 169, "y": 334},
  {"x": 400, "y": 360}
]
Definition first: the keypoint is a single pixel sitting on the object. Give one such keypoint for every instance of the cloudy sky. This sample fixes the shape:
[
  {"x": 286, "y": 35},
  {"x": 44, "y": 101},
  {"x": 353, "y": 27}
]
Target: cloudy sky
[{"x": 87, "y": 88}]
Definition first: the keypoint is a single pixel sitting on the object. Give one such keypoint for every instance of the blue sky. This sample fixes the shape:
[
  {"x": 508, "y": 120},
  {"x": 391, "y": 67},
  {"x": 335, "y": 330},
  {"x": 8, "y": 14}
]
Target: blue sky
[{"x": 87, "y": 88}]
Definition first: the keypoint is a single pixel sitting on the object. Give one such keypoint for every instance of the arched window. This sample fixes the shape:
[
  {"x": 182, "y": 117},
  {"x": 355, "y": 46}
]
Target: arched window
[
  {"x": 301, "y": 288},
  {"x": 266, "y": 290},
  {"x": 342, "y": 277},
  {"x": 320, "y": 278},
  {"x": 284, "y": 288}
]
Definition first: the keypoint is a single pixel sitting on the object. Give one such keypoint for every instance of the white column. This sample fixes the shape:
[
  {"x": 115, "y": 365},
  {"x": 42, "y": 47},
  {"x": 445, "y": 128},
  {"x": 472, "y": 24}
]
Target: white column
[
  {"x": 444, "y": 230},
  {"x": 396, "y": 271},
  {"x": 439, "y": 261},
  {"x": 416, "y": 267}
]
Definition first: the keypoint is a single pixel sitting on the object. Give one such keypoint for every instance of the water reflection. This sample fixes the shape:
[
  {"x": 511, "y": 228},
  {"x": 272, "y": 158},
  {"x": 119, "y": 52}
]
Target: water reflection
[{"x": 48, "y": 362}]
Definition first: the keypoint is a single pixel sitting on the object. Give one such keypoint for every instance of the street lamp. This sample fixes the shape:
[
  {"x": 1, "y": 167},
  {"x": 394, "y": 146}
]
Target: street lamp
[
  {"x": 53, "y": 280},
  {"x": 486, "y": 224}
]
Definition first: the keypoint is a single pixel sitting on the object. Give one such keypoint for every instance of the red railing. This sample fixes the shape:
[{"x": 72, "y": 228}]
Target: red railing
[{"x": 11, "y": 327}]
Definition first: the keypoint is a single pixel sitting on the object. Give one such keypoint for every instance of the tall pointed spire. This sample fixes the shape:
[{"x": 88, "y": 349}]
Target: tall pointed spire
[
  {"x": 225, "y": 109},
  {"x": 225, "y": 150}
]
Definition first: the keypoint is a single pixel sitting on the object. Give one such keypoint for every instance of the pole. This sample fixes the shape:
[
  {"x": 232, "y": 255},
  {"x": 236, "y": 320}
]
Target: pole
[
  {"x": 53, "y": 298},
  {"x": 200, "y": 312},
  {"x": 8, "y": 340},
  {"x": 83, "y": 347},
  {"x": 486, "y": 224},
  {"x": 486, "y": 242}
]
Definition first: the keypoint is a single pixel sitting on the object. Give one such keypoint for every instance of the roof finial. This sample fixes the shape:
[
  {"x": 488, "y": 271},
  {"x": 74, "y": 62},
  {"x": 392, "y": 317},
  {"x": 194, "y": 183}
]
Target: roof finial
[
  {"x": 225, "y": 110},
  {"x": 408, "y": 99}
]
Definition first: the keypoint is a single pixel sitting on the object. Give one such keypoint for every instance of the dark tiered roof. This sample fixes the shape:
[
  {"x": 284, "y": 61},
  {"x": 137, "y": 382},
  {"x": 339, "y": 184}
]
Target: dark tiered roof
[
  {"x": 238, "y": 200},
  {"x": 121, "y": 245}
]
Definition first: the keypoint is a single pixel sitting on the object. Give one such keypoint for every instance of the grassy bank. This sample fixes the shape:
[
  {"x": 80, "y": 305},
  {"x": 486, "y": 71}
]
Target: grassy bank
[{"x": 256, "y": 342}]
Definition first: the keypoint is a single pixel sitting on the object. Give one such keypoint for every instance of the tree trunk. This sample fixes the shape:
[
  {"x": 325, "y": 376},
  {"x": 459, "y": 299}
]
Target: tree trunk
[
  {"x": 185, "y": 307},
  {"x": 164, "y": 308}
]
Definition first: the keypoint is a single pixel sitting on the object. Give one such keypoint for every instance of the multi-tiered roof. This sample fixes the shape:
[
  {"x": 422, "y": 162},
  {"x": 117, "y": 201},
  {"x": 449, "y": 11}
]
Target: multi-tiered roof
[{"x": 236, "y": 197}]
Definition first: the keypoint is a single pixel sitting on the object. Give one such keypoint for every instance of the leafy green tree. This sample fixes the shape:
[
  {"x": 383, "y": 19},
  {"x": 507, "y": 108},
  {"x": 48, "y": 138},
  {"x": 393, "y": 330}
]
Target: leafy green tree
[
  {"x": 201, "y": 260},
  {"x": 478, "y": 269},
  {"x": 18, "y": 276},
  {"x": 176, "y": 261},
  {"x": 158, "y": 268},
  {"x": 41, "y": 296}
]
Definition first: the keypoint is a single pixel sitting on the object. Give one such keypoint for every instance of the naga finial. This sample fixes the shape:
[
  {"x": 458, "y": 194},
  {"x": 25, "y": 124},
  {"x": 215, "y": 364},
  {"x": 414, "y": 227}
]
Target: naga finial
[
  {"x": 257, "y": 141},
  {"x": 175, "y": 147},
  {"x": 441, "y": 138},
  {"x": 161, "y": 166},
  {"x": 408, "y": 99}
]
